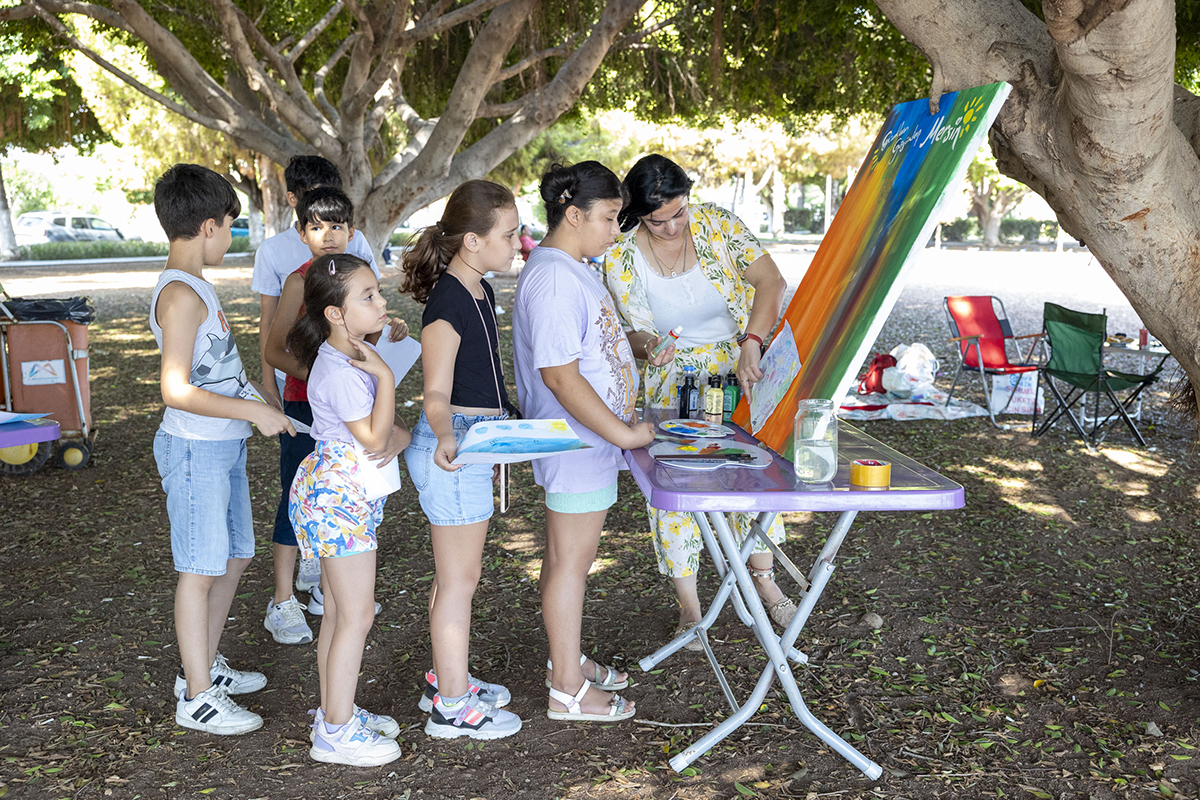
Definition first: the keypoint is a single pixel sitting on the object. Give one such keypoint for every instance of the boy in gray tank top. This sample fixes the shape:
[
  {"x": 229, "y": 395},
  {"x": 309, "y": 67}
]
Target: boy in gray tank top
[{"x": 200, "y": 447}]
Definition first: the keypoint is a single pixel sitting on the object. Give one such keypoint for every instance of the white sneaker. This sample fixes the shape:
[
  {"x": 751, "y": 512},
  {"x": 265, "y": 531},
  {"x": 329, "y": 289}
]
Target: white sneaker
[
  {"x": 354, "y": 744},
  {"x": 213, "y": 711},
  {"x": 379, "y": 723},
  {"x": 470, "y": 717},
  {"x": 233, "y": 681},
  {"x": 316, "y": 602},
  {"x": 309, "y": 574},
  {"x": 286, "y": 622}
]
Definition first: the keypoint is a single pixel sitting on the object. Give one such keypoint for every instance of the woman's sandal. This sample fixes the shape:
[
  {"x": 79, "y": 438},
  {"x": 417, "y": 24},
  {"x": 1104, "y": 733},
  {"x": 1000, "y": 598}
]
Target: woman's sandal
[
  {"x": 609, "y": 684},
  {"x": 781, "y": 611},
  {"x": 574, "y": 713},
  {"x": 693, "y": 644}
]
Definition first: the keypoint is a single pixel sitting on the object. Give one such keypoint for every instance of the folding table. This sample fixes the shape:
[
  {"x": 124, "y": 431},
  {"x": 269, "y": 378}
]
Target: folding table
[{"x": 709, "y": 496}]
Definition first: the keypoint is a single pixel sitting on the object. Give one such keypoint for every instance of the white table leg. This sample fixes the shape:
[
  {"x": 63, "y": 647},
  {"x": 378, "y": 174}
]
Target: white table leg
[{"x": 776, "y": 648}]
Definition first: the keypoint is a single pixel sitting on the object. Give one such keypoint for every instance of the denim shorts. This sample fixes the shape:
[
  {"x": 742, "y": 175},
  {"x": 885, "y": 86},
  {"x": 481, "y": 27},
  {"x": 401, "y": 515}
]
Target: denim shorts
[
  {"x": 208, "y": 501},
  {"x": 462, "y": 497}
]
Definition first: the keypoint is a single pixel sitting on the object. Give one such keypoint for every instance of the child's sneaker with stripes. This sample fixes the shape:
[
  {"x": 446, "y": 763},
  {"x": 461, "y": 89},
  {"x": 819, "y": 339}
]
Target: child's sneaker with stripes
[
  {"x": 469, "y": 716},
  {"x": 212, "y": 711},
  {"x": 491, "y": 693}
]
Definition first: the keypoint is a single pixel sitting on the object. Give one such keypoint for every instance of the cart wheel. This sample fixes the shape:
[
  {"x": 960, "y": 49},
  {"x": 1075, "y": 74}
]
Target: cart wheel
[
  {"x": 74, "y": 455},
  {"x": 23, "y": 458}
]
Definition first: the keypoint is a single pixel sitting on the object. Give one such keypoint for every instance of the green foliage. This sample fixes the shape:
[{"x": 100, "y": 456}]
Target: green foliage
[
  {"x": 798, "y": 220},
  {"x": 566, "y": 142},
  {"x": 69, "y": 251},
  {"x": 27, "y": 191},
  {"x": 1028, "y": 231},
  {"x": 775, "y": 58},
  {"x": 41, "y": 106},
  {"x": 960, "y": 230}
]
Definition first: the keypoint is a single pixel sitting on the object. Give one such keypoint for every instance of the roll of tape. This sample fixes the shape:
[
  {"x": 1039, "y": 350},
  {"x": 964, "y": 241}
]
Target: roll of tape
[{"x": 870, "y": 473}]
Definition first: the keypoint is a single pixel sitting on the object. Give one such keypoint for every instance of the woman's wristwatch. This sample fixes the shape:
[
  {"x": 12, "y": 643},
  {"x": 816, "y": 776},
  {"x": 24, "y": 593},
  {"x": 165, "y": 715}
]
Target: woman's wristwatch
[{"x": 762, "y": 348}]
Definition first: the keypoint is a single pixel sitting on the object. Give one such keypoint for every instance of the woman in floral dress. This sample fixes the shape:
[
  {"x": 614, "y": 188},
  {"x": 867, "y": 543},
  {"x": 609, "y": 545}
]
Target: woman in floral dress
[{"x": 698, "y": 266}]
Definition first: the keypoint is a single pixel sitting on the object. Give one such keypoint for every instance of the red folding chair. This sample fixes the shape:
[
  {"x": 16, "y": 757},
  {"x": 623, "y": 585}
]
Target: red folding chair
[{"x": 981, "y": 332}]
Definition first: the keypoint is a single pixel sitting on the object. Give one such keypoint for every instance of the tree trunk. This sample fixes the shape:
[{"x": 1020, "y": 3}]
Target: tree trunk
[
  {"x": 277, "y": 213},
  {"x": 990, "y": 225},
  {"x": 8, "y": 238},
  {"x": 778, "y": 203},
  {"x": 1096, "y": 126}
]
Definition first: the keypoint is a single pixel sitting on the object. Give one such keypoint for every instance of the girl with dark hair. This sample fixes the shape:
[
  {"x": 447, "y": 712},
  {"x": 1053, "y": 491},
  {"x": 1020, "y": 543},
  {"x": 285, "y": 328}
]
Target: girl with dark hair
[
  {"x": 464, "y": 384},
  {"x": 573, "y": 362},
  {"x": 351, "y": 392},
  {"x": 700, "y": 267}
]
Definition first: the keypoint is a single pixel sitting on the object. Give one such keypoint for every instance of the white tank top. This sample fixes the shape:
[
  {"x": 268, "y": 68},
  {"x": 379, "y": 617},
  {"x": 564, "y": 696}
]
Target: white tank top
[
  {"x": 216, "y": 365},
  {"x": 689, "y": 300}
]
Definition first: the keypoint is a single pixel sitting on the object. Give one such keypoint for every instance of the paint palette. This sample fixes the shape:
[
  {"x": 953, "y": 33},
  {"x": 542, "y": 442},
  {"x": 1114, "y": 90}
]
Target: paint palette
[
  {"x": 713, "y": 455},
  {"x": 695, "y": 427}
]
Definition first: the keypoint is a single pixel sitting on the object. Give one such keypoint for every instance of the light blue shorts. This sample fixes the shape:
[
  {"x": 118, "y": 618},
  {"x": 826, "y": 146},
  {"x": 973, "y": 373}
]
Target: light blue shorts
[
  {"x": 582, "y": 502},
  {"x": 208, "y": 501},
  {"x": 462, "y": 497}
]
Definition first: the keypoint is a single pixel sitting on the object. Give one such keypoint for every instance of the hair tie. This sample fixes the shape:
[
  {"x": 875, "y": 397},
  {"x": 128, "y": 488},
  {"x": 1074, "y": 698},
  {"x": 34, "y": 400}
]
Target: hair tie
[
  {"x": 441, "y": 228},
  {"x": 333, "y": 266},
  {"x": 565, "y": 196}
]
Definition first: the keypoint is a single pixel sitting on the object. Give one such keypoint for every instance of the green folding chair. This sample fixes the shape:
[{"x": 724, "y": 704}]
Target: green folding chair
[{"x": 1076, "y": 369}]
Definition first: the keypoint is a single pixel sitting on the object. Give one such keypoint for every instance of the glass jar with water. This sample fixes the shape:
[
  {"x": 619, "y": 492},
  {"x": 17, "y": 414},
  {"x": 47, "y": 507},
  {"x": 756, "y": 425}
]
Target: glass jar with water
[{"x": 816, "y": 458}]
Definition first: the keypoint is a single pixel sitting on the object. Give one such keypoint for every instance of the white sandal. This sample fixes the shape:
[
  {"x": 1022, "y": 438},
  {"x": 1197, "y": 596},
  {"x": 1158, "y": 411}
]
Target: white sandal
[
  {"x": 609, "y": 684},
  {"x": 574, "y": 712}
]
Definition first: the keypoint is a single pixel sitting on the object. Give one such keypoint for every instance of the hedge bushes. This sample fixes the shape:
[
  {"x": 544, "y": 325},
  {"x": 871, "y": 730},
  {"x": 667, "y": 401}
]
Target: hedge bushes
[
  {"x": 1012, "y": 231},
  {"x": 104, "y": 248}
]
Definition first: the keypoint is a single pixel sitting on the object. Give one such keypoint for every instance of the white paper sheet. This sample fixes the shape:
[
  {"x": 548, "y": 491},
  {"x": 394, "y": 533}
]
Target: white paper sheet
[
  {"x": 512, "y": 440},
  {"x": 8, "y": 416},
  {"x": 780, "y": 366},
  {"x": 376, "y": 481},
  {"x": 400, "y": 356}
]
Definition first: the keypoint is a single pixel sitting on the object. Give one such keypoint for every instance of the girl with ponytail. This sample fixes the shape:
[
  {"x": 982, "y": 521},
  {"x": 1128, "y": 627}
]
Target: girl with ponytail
[
  {"x": 352, "y": 395},
  {"x": 573, "y": 361},
  {"x": 464, "y": 384}
]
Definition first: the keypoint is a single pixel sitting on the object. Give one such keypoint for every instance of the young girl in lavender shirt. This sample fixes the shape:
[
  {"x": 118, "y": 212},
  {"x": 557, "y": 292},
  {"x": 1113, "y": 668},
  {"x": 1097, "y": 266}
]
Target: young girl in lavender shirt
[
  {"x": 351, "y": 391},
  {"x": 573, "y": 361}
]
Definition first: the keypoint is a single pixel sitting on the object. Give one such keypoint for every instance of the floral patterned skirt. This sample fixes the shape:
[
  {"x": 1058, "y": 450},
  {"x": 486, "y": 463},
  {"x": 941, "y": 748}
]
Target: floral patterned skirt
[{"x": 326, "y": 505}]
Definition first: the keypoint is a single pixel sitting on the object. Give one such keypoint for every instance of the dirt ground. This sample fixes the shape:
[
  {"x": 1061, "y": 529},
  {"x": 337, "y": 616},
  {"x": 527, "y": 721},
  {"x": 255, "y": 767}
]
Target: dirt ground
[{"x": 1041, "y": 642}]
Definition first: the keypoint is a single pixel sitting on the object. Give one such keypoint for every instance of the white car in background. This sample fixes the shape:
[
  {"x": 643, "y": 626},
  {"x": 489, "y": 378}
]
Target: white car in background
[{"x": 39, "y": 227}]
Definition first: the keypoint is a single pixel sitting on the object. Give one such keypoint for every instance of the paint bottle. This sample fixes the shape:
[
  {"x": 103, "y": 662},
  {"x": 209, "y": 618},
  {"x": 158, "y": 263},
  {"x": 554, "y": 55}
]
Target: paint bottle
[
  {"x": 688, "y": 393},
  {"x": 714, "y": 400},
  {"x": 732, "y": 393}
]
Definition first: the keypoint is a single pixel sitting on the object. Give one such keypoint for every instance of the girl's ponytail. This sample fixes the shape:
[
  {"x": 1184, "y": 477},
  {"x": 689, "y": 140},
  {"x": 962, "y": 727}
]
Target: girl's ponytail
[
  {"x": 325, "y": 285},
  {"x": 471, "y": 208}
]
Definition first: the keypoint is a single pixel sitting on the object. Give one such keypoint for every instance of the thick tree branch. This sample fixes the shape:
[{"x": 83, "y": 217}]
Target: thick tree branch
[
  {"x": 477, "y": 74},
  {"x": 433, "y": 24},
  {"x": 303, "y": 115},
  {"x": 357, "y": 100},
  {"x": 1119, "y": 80},
  {"x": 316, "y": 30},
  {"x": 516, "y": 69}
]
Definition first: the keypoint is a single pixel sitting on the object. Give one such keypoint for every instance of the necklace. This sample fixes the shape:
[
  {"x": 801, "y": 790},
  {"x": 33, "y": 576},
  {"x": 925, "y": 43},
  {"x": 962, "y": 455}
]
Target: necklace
[
  {"x": 661, "y": 269},
  {"x": 462, "y": 280}
]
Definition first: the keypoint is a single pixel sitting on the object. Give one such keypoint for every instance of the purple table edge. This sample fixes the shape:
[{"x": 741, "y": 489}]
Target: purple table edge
[
  {"x": 914, "y": 486},
  {"x": 709, "y": 495},
  {"x": 14, "y": 434}
]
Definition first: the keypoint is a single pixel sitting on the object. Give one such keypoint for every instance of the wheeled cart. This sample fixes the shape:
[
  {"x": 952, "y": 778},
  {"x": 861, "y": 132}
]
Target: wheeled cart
[{"x": 44, "y": 370}]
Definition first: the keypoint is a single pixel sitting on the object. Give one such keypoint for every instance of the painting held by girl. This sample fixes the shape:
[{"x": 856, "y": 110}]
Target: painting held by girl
[{"x": 350, "y": 389}]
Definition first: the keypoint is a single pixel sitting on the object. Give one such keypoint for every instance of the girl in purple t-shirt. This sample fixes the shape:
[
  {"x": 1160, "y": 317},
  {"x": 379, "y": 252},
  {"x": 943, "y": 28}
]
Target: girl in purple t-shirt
[
  {"x": 573, "y": 361},
  {"x": 328, "y": 506}
]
